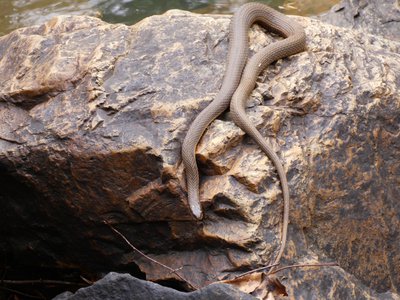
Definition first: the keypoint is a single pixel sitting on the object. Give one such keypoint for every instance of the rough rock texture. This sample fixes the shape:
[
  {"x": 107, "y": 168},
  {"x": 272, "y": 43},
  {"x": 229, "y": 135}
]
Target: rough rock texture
[
  {"x": 124, "y": 286},
  {"x": 92, "y": 119},
  {"x": 373, "y": 16}
]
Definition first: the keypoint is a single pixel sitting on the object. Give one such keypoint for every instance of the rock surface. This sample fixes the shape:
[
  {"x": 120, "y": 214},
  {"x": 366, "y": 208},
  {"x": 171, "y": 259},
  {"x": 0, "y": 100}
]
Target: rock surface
[
  {"x": 376, "y": 17},
  {"x": 92, "y": 119},
  {"x": 124, "y": 286}
]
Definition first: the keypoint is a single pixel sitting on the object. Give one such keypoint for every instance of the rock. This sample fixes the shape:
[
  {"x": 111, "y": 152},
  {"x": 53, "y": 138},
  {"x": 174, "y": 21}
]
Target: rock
[
  {"x": 373, "y": 16},
  {"x": 92, "y": 120},
  {"x": 124, "y": 286}
]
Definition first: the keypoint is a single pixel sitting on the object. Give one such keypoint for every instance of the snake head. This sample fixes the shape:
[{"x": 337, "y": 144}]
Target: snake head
[{"x": 194, "y": 205}]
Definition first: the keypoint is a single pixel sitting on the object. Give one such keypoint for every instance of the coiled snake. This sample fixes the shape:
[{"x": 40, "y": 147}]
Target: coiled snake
[{"x": 239, "y": 81}]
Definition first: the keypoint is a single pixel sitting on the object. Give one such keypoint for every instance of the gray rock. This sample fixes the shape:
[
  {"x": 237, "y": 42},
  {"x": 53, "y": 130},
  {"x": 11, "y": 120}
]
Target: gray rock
[
  {"x": 92, "y": 117},
  {"x": 373, "y": 16},
  {"x": 124, "y": 286}
]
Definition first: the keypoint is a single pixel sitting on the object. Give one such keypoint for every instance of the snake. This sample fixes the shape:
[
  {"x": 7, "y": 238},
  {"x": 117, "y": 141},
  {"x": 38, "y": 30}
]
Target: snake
[{"x": 238, "y": 82}]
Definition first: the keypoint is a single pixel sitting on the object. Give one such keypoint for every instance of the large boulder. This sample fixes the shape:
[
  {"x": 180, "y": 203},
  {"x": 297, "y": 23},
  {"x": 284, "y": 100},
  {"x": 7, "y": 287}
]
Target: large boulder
[
  {"x": 373, "y": 16},
  {"x": 92, "y": 120}
]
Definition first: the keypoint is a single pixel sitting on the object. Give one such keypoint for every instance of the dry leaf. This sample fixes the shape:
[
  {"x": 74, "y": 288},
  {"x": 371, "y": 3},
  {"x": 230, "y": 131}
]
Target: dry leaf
[
  {"x": 270, "y": 288},
  {"x": 259, "y": 285},
  {"x": 275, "y": 286},
  {"x": 247, "y": 283}
]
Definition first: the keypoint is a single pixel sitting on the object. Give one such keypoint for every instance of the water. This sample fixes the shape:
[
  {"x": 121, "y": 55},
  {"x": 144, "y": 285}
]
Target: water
[{"x": 20, "y": 13}]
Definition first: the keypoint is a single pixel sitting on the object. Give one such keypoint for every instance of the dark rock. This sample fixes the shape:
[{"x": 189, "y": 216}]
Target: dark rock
[
  {"x": 92, "y": 117},
  {"x": 124, "y": 286},
  {"x": 373, "y": 16}
]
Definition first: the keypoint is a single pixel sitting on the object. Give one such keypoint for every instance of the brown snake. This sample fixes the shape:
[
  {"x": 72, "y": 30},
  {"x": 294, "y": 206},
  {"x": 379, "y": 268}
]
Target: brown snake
[{"x": 239, "y": 81}]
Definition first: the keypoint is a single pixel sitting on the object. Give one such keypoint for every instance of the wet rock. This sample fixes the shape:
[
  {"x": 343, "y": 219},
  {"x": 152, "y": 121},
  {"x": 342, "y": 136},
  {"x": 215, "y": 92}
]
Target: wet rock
[
  {"x": 92, "y": 120},
  {"x": 373, "y": 16},
  {"x": 124, "y": 286}
]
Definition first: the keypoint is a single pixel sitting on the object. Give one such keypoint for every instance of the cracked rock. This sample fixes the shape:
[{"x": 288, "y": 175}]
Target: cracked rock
[{"x": 92, "y": 120}]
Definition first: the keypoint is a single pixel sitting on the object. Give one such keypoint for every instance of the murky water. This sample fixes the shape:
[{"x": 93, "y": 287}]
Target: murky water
[{"x": 20, "y": 13}]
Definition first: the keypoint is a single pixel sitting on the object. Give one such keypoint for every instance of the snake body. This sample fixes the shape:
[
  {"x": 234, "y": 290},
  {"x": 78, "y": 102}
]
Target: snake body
[{"x": 239, "y": 81}]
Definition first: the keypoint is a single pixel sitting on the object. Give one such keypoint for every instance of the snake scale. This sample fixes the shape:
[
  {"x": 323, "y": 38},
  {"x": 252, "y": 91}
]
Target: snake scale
[{"x": 239, "y": 81}]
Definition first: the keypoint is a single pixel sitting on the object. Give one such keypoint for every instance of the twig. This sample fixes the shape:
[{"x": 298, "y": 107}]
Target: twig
[
  {"x": 281, "y": 269},
  {"x": 174, "y": 271},
  {"x": 40, "y": 281},
  {"x": 304, "y": 266},
  {"x": 86, "y": 280},
  {"x": 19, "y": 293},
  {"x": 253, "y": 271}
]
